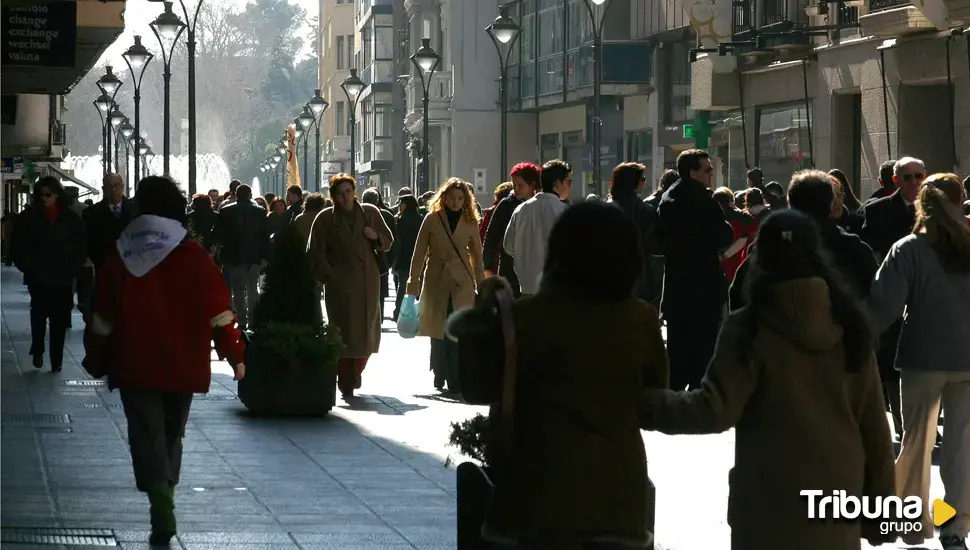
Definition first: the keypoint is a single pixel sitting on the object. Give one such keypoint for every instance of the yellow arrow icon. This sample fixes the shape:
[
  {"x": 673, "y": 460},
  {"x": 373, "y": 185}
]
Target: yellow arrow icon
[{"x": 942, "y": 512}]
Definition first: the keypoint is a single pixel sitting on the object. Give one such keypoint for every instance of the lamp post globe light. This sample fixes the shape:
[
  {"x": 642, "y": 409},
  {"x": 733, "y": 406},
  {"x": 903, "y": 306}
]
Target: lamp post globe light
[
  {"x": 167, "y": 27},
  {"x": 191, "y": 22},
  {"x": 425, "y": 60},
  {"x": 306, "y": 120},
  {"x": 352, "y": 87},
  {"x": 102, "y": 103},
  {"x": 597, "y": 85},
  {"x": 137, "y": 57},
  {"x": 504, "y": 32},
  {"x": 318, "y": 106}
]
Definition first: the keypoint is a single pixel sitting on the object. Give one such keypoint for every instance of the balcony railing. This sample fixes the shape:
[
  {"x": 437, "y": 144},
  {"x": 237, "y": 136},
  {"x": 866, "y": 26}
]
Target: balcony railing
[
  {"x": 441, "y": 90},
  {"x": 769, "y": 16},
  {"x": 883, "y": 5}
]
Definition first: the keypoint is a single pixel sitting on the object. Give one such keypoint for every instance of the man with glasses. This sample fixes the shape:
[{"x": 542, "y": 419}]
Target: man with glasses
[{"x": 886, "y": 221}]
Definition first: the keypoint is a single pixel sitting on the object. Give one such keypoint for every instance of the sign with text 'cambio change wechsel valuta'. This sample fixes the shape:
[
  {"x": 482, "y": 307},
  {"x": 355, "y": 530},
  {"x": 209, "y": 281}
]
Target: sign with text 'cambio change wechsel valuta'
[
  {"x": 897, "y": 515},
  {"x": 42, "y": 35}
]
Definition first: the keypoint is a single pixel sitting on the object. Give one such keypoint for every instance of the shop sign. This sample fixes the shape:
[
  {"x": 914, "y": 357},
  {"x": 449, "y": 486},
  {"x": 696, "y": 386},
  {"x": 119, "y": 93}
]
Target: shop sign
[
  {"x": 12, "y": 165},
  {"x": 42, "y": 35}
]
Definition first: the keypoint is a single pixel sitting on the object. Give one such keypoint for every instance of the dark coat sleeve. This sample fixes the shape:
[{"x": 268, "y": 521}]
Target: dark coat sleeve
[
  {"x": 736, "y": 293},
  {"x": 496, "y": 233},
  {"x": 720, "y": 230}
]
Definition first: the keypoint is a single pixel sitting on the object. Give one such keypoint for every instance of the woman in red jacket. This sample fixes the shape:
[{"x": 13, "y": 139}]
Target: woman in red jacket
[{"x": 160, "y": 301}]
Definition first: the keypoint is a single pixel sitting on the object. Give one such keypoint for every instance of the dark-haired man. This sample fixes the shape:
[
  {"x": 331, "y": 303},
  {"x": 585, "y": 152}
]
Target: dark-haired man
[
  {"x": 294, "y": 198},
  {"x": 242, "y": 233},
  {"x": 525, "y": 185},
  {"x": 756, "y": 180},
  {"x": 692, "y": 233},
  {"x": 233, "y": 187},
  {"x": 886, "y": 184},
  {"x": 532, "y": 221}
]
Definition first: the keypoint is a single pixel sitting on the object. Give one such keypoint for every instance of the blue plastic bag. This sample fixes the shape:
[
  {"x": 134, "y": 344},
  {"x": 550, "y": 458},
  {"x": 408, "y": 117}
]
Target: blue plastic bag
[{"x": 407, "y": 319}]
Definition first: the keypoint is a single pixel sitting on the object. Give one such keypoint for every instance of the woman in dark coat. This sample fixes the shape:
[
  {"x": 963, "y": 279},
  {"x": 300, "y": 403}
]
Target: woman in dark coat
[
  {"x": 49, "y": 248},
  {"x": 408, "y": 223},
  {"x": 201, "y": 221}
]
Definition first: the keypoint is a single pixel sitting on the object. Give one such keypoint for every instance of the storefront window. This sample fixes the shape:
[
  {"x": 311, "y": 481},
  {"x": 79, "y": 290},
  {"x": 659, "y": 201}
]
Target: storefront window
[
  {"x": 783, "y": 141},
  {"x": 640, "y": 149},
  {"x": 550, "y": 147},
  {"x": 727, "y": 152}
]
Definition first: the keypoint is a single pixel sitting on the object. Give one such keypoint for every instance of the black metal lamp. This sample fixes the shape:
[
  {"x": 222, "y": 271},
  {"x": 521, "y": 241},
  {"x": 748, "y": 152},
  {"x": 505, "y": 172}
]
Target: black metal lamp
[
  {"x": 504, "y": 32},
  {"x": 426, "y": 60},
  {"x": 167, "y": 27},
  {"x": 352, "y": 87},
  {"x": 137, "y": 57},
  {"x": 318, "y": 106}
]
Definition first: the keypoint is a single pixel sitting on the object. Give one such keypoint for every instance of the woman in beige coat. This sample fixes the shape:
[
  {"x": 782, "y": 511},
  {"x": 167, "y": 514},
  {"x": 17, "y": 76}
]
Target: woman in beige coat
[
  {"x": 445, "y": 271},
  {"x": 795, "y": 373}
]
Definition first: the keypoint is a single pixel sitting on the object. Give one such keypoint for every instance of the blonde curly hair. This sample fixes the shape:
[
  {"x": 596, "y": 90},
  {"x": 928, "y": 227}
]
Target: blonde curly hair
[{"x": 468, "y": 208}]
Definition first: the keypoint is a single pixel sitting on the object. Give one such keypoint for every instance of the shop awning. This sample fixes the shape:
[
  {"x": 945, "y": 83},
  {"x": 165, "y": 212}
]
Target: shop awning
[{"x": 65, "y": 176}]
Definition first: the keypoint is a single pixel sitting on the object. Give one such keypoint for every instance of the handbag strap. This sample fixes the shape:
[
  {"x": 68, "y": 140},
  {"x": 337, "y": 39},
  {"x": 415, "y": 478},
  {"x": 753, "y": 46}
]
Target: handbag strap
[
  {"x": 509, "y": 378},
  {"x": 441, "y": 218}
]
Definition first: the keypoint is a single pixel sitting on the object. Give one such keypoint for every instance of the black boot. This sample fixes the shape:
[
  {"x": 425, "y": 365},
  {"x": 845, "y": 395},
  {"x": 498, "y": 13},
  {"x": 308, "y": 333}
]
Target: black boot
[{"x": 38, "y": 360}]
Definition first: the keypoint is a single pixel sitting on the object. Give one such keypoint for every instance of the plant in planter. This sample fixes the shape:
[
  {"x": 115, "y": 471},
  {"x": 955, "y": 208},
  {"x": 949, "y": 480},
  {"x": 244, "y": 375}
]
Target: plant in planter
[
  {"x": 474, "y": 482},
  {"x": 291, "y": 358},
  {"x": 470, "y": 438}
]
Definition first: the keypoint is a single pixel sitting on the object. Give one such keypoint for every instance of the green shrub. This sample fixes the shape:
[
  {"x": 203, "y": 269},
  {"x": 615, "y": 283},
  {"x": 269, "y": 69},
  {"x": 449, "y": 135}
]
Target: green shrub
[
  {"x": 288, "y": 319},
  {"x": 471, "y": 438}
]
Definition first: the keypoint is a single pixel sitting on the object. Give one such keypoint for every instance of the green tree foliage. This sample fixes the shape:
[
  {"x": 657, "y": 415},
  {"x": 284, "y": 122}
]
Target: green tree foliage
[{"x": 288, "y": 318}]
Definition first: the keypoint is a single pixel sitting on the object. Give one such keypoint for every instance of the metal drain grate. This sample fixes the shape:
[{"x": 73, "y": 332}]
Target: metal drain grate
[
  {"x": 217, "y": 397},
  {"x": 53, "y": 429},
  {"x": 37, "y": 418},
  {"x": 85, "y": 382},
  {"x": 56, "y": 535}
]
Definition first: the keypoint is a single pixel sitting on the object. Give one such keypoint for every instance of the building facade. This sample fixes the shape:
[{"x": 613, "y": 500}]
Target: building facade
[
  {"x": 463, "y": 111},
  {"x": 337, "y": 55},
  {"x": 858, "y": 85},
  {"x": 380, "y": 142}
]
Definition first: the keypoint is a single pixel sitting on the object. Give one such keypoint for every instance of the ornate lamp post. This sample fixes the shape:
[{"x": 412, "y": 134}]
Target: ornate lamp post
[
  {"x": 103, "y": 103},
  {"x": 127, "y": 130},
  {"x": 597, "y": 84},
  {"x": 167, "y": 27},
  {"x": 352, "y": 86},
  {"x": 137, "y": 58},
  {"x": 298, "y": 133},
  {"x": 276, "y": 162},
  {"x": 305, "y": 120},
  {"x": 108, "y": 84},
  {"x": 425, "y": 60},
  {"x": 144, "y": 150},
  {"x": 504, "y": 32},
  {"x": 317, "y": 106},
  {"x": 116, "y": 117},
  {"x": 190, "y": 43}
]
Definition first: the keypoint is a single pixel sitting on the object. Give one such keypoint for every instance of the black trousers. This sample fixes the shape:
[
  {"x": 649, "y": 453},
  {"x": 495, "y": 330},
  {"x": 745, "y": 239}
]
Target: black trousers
[
  {"x": 85, "y": 290},
  {"x": 156, "y": 426},
  {"x": 690, "y": 346},
  {"x": 54, "y": 304},
  {"x": 400, "y": 285},
  {"x": 444, "y": 359}
]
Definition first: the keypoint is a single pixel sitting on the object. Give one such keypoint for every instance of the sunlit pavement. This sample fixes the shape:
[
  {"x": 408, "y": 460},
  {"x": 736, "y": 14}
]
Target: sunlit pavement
[{"x": 371, "y": 476}]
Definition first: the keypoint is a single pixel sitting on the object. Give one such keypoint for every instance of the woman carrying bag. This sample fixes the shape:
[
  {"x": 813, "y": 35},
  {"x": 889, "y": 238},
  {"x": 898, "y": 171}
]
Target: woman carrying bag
[{"x": 445, "y": 271}]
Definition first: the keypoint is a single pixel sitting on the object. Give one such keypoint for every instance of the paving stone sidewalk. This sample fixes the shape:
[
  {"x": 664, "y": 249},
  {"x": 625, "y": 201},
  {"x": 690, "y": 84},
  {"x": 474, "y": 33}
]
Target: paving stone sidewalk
[{"x": 247, "y": 483}]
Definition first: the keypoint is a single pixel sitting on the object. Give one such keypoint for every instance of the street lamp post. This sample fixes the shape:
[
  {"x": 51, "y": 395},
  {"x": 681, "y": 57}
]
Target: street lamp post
[
  {"x": 426, "y": 60},
  {"x": 597, "y": 84},
  {"x": 144, "y": 150},
  {"x": 168, "y": 26},
  {"x": 318, "y": 106},
  {"x": 116, "y": 118},
  {"x": 108, "y": 84},
  {"x": 137, "y": 58},
  {"x": 277, "y": 175},
  {"x": 352, "y": 86},
  {"x": 283, "y": 148},
  {"x": 102, "y": 103},
  {"x": 126, "y": 131},
  {"x": 504, "y": 31},
  {"x": 307, "y": 119},
  {"x": 190, "y": 43}
]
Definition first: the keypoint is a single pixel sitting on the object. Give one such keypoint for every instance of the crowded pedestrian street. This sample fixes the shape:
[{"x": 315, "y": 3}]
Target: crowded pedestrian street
[{"x": 376, "y": 473}]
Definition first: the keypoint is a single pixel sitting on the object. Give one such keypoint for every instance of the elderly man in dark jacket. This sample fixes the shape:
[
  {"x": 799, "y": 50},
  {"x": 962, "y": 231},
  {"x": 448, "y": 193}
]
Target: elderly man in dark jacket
[
  {"x": 107, "y": 219},
  {"x": 241, "y": 231},
  {"x": 49, "y": 248},
  {"x": 692, "y": 233}
]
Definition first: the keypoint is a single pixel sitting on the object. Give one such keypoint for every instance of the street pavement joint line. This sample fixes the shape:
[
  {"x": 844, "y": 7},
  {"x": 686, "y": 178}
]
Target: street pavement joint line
[
  {"x": 367, "y": 435},
  {"x": 350, "y": 491}
]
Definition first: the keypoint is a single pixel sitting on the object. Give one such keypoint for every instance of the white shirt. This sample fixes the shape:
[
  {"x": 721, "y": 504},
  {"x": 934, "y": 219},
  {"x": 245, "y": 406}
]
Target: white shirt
[{"x": 527, "y": 236}]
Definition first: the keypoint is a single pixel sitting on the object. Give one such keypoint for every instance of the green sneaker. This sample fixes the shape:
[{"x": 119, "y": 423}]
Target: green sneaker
[{"x": 162, "y": 501}]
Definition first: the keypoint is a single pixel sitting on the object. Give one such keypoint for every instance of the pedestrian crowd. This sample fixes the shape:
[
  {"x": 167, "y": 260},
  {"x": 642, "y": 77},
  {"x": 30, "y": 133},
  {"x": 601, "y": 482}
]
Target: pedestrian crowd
[{"x": 799, "y": 317}]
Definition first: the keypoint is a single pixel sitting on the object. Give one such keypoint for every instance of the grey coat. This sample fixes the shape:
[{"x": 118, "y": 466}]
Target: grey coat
[{"x": 935, "y": 306}]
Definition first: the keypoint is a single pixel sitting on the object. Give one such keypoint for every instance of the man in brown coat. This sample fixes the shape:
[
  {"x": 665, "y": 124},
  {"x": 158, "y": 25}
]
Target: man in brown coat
[{"x": 344, "y": 242}]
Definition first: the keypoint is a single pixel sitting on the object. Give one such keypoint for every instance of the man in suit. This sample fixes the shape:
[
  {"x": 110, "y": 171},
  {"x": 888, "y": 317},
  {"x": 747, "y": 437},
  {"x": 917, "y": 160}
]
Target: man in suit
[
  {"x": 242, "y": 233},
  {"x": 104, "y": 222},
  {"x": 889, "y": 219}
]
